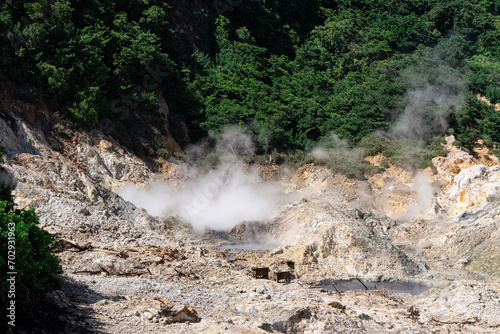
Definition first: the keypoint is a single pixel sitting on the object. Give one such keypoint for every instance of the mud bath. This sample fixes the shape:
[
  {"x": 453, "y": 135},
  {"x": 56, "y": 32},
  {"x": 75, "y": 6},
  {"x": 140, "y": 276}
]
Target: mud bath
[{"x": 395, "y": 287}]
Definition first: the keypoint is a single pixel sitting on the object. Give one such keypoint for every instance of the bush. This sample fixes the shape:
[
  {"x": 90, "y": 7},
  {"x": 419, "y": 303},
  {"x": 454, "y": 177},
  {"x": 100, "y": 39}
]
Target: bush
[
  {"x": 278, "y": 158},
  {"x": 404, "y": 152},
  {"x": 297, "y": 159},
  {"x": 163, "y": 152},
  {"x": 434, "y": 149},
  {"x": 376, "y": 143},
  {"x": 37, "y": 267},
  {"x": 352, "y": 166},
  {"x": 495, "y": 152},
  {"x": 487, "y": 141}
]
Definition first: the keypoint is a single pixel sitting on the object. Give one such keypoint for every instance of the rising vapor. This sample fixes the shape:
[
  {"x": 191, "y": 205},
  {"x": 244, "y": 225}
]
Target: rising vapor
[{"x": 220, "y": 199}]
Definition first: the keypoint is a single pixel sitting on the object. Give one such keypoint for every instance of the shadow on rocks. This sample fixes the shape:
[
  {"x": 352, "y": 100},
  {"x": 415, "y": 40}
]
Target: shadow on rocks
[{"x": 58, "y": 312}]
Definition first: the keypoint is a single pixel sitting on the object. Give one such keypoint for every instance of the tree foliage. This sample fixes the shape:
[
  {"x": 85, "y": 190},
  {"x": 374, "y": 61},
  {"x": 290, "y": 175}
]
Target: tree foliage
[
  {"x": 290, "y": 72},
  {"x": 26, "y": 248}
]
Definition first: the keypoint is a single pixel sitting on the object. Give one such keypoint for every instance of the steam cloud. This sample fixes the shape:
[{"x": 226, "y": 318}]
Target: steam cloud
[
  {"x": 335, "y": 148},
  {"x": 426, "y": 112},
  {"x": 232, "y": 193},
  {"x": 434, "y": 89},
  {"x": 220, "y": 199},
  {"x": 424, "y": 199}
]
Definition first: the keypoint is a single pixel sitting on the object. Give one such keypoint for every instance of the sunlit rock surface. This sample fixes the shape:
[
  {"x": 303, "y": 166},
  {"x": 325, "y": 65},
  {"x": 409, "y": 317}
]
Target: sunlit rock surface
[{"x": 439, "y": 229}]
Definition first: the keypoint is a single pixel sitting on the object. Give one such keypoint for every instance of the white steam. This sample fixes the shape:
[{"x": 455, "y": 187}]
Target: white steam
[
  {"x": 333, "y": 148},
  {"x": 220, "y": 199},
  {"x": 426, "y": 112},
  {"x": 434, "y": 90},
  {"x": 424, "y": 197}
]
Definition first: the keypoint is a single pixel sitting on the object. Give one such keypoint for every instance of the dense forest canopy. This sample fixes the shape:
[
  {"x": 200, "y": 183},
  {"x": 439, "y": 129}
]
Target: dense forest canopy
[{"x": 291, "y": 73}]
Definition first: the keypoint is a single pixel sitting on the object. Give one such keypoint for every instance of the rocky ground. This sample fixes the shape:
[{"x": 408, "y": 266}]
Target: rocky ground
[{"x": 128, "y": 272}]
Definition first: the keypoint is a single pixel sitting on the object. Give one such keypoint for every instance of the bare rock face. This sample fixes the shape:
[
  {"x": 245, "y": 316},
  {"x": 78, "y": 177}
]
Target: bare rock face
[
  {"x": 472, "y": 189},
  {"x": 454, "y": 162},
  {"x": 19, "y": 137},
  {"x": 469, "y": 235},
  {"x": 342, "y": 242},
  {"x": 110, "y": 164},
  {"x": 476, "y": 242},
  {"x": 71, "y": 183},
  {"x": 9, "y": 139}
]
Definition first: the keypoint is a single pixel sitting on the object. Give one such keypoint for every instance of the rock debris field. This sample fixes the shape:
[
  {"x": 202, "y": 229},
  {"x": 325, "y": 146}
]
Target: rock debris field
[{"x": 126, "y": 271}]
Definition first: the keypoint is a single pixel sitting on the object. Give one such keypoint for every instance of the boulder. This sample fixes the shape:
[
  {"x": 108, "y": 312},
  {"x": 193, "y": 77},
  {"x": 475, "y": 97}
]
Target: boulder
[
  {"x": 165, "y": 311},
  {"x": 182, "y": 313}
]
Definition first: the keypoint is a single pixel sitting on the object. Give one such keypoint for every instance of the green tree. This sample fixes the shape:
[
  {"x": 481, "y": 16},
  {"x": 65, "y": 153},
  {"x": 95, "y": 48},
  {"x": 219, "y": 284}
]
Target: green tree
[{"x": 25, "y": 249}]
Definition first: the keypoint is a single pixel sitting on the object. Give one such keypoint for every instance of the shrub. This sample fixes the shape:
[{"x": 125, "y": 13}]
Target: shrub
[
  {"x": 488, "y": 142},
  {"x": 376, "y": 143},
  {"x": 434, "y": 149},
  {"x": 278, "y": 158},
  {"x": 163, "y": 152},
  {"x": 37, "y": 267},
  {"x": 351, "y": 166},
  {"x": 297, "y": 159},
  {"x": 495, "y": 152}
]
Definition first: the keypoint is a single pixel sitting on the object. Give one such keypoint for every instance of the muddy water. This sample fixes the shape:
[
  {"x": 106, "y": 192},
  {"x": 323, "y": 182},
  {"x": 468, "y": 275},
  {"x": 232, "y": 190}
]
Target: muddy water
[{"x": 395, "y": 287}]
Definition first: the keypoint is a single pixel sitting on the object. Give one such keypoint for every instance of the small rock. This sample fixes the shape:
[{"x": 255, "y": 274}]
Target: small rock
[
  {"x": 251, "y": 308},
  {"x": 104, "y": 144},
  {"x": 298, "y": 315},
  {"x": 93, "y": 194},
  {"x": 157, "y": 259},
  {"x": 103, "y": 302},
  {"x": 277, "y": 251},
  {"x": 181, "y": 313},
  {"x": 262, "y": 290},
  {"x": 85, "y": 212},
  {"x": 335, "y": 304},
  {"x": 148, "y": 315}
]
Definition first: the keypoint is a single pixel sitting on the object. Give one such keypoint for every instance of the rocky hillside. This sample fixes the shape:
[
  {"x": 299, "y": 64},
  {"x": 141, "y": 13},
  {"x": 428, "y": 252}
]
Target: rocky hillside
[{"x": 126, "y": 271}]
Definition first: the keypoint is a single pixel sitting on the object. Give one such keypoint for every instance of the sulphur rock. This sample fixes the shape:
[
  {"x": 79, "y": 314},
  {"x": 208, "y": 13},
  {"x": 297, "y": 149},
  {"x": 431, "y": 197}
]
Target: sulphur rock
[
  {"x": 471, "y": 188},
  {"x": 182, "y": 313},
  {"x": 106, "y": 145}
]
